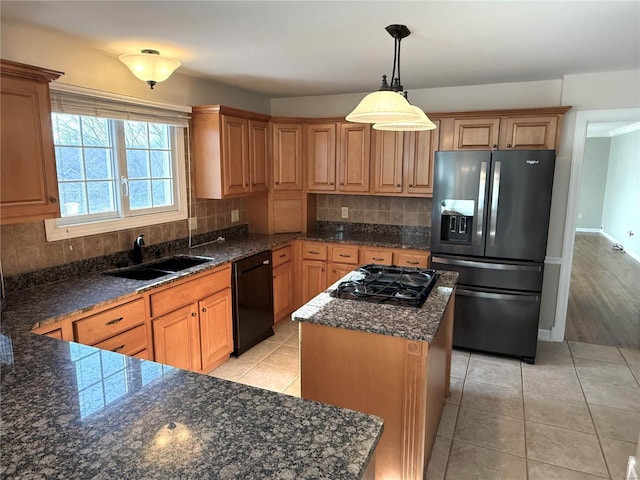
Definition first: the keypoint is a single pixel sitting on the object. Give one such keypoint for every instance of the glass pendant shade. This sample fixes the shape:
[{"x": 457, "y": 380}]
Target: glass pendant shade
[
  {"x": 422, "y": 123},
  {"x": 149, "y": 66},
  {"x": 383, "y": 106}
]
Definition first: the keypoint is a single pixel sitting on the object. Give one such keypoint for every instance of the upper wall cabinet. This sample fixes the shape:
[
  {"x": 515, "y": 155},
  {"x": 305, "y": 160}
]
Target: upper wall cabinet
[
  {"x": 231, "y": 151},
  {"x": 337, "y": 156},
  {"x": 29, "y": 188},
  {"x": 287, "y": 156}
]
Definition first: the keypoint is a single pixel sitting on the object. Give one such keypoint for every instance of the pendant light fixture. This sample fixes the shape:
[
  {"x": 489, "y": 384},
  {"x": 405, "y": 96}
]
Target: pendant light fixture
[
  {"x": 149, "y": 66},
  {"x": 388, "y": 108}
]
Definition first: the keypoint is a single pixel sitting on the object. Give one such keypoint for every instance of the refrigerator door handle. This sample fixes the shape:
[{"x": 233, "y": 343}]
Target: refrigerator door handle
[
  {"x": 481, "y": 195},
  {"x": 487, "y": 265},
  {"x": 495, "y": 195},
  {"x": 496, "y": 296}
]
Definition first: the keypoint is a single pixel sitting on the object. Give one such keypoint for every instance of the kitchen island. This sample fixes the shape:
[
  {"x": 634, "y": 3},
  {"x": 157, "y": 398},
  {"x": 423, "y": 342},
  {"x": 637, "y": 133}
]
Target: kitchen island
[{"x": 390, "y": 361}]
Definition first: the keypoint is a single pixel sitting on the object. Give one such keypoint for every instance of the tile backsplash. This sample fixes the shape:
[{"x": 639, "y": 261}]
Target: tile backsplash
[{"x": 407, "y": 211}]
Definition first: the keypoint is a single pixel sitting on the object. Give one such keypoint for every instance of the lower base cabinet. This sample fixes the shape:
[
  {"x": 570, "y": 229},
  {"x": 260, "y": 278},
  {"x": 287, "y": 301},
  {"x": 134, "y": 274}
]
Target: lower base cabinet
[
  {"x": 216, "y": 333},
  {"x": 176, "y": 338}
]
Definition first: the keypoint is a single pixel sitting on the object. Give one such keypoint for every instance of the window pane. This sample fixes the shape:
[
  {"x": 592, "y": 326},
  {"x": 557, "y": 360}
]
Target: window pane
[
  {"x": 160, "y": 164},
  {"x": 162, "y": 192},
  {"x": 101, "y": 197},
  {"x": 66, "y": 129},
  {"x": 138, "y": 164},
  {"x": 69, "y": 163},
  {"x": 158, "y": 135},
  {"x": 72, "y": 199},
  {"x": 135, "y": 135},
  {"x": 98, "y": 163},
  {"x": 139, "y": 194},
  {"x": 95, "y": 131}
]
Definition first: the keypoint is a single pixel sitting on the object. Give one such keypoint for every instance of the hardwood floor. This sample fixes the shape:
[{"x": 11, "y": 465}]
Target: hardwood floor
[{"x": 604, "y": 296}]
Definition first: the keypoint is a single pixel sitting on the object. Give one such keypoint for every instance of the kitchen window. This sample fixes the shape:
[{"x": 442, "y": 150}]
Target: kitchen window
[{"x": 119, "y": 164}]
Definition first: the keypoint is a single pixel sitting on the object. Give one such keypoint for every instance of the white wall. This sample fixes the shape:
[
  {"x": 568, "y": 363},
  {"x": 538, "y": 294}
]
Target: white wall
[
  {"x": 621, "y": 212},
  {"x": 593, "y": 182},
  {"x": 87, "y": 67}
]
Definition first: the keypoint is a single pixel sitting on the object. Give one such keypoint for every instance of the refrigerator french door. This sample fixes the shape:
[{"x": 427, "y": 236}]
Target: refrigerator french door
[{"x": 490, "y": 222}]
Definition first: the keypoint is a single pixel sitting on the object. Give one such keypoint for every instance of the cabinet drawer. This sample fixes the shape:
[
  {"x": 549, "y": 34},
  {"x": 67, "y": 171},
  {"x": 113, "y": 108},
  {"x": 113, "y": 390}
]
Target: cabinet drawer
[
  {"x": 314, "y": 251},
  {"x": 382, "y": 257},
  {"x": 413, "y": 259},
  {"x": 143, "y": 355},
  {"x": 281, "y": 255},
  {"x": 111, "y": 322},
  {"x": 342, "y": 254},
  {"x": 175, "y": 297},
  {"x": 129, "y": 342}
]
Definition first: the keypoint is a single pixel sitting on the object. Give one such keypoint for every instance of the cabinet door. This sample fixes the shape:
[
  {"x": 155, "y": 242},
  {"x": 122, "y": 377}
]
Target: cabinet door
[
  {"x": 216, "y": 331},
  {"x": 235, "y": 156},
  {"x": 338, "y": 270},
  {"x": 287, "y": 157},
  {"x": 476, "y": 134},
  {"x": 418, "y": 161},
  {"x": 529, "y": 133},
  {"x": 314, "y": 278},
  {"x": 353, "y": 157},
  {"x": 283, "y": 287},
  {"x": 388, "y": 147},
  {"x": 258, "y": 155},
  {"x": 176, "y": 340},
  {"x": 28, "y": 184},
  {"x": 321, "y": 157}
]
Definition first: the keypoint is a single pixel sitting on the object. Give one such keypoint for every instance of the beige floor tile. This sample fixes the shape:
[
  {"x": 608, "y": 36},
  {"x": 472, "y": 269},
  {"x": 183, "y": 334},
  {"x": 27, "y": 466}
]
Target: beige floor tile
[
  {"x": 604, "y": 372},
  {"x": 269, "y": 377},
  {"x": 233, "y": 368},
  {"x": 550, "y": 349},
  {"x": 556, "y": 412},
  {"x": 595, "y": 352},
  {"x": 490, "y": 430},
  {"x": 617, "y": 454},
  {"x": 282, "y": 331},
  {"x": 501, "y": 374},
  {"x": 459, "y": 365},
  {"x": 543, "y": 471},
  {"x": 455, "y": 390},
  {"x": 562, "y": 384},
  {"x": 293, "y": 388},
  {"x": 293, "y": 341},
  {"x": 461, "y": 353},
  {"x": 615, "y": 423},
  {"x": 633, "y": 359},
  {"x": 470, "y": 462},
  {"x": 257, "y": 353},
  {"x": 492, "y": 398},
  {"x": 284, "y": 357},
  {"x": 487, "y": 357},
  {"x": 615, "y": 396},
  {"x": 439, "y": 457},
  {"x": 448, "y": 420},
  {"x": 565, "y": 448}
]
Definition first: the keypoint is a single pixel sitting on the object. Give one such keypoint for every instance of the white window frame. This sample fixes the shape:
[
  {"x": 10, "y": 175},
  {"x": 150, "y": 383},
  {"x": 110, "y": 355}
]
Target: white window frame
[{"x": 61, "y": 229}]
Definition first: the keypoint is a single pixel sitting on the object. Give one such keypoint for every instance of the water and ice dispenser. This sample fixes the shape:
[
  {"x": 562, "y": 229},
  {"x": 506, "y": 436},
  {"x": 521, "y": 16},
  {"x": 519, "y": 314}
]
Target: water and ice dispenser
[{"x": 456, "y": 217}]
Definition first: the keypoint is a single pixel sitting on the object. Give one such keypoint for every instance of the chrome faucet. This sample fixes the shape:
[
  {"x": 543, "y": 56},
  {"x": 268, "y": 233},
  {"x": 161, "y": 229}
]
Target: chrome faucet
[{"x": 137, "y": 249}]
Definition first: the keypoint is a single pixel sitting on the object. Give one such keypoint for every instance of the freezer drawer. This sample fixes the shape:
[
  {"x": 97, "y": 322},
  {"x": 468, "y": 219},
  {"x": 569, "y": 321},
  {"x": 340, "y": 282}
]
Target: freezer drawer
[
  {"x": 492, "y": 274},
  {"x": 501, "y": 322}
]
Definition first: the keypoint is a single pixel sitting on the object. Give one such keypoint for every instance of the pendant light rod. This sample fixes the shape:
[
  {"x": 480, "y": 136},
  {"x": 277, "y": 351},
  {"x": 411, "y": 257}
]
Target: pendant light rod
[{"x": 398, "y": 32}]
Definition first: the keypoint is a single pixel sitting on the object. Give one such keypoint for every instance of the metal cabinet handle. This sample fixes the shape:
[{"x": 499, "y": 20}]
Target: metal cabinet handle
[
  {"x": 344, "y": 255},
  {"x": 377, "y": 259},
  {"x": 53, "y": 199},
  {"x": 413, "y": 262},
  {"x": 314, "y": 252},
  {"x": 117, "y": 349},
  {"x": 114, "y": 321},
  {"x": 283, "y": 255}
]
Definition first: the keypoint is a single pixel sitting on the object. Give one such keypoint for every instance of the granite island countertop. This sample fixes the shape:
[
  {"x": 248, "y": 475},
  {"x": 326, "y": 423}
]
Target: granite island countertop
[{"x": 397, "y": 321}]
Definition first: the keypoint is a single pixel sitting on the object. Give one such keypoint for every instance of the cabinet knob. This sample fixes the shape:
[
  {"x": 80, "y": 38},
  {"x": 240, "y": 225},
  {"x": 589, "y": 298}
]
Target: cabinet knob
[
  {"x": 341, "y": 183},
  {"x": 53, "y": 199},
  {"x": 204, "y": 309},
  {"x": 254, "y": 184},
  {"x": 330, "y": 183},
  {"x": 398, "y": 185},
  {"x": 277, "y": 183},
  {"x": 322, "y": 269},
  {"x": 494, "y": 146},
  {"x": 334, "y": 270},
  {"x": 247, "y": 184},
  {"x": 508, "y": 145},
  {"x": 411, "y": 185},
  {"x": 193, "y": 314}
]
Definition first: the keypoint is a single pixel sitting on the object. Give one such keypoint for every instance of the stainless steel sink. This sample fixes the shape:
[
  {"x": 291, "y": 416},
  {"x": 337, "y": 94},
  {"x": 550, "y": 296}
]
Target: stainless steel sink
[{"x": 151, "y": 270}]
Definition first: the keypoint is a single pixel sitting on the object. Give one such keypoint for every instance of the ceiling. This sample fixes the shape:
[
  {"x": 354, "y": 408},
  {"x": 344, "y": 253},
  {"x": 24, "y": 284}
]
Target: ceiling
[{"x": 296, "y": 48}]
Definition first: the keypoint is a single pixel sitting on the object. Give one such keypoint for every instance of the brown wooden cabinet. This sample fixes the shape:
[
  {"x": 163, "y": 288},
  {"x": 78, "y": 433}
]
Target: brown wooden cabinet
[
  {"x": 528, "y": 133},
  {"x": 387, "y": 161},
  {"x": 287, "y": 156},
  {"x": 342, "y": 260},
  {"x": 321, "y": 157},
  {"x": 476, "y": 134},
  {"x": 231, "y": 152},
  {"x": 216, "y": 331},
  {"x": 176, "y": 338},
  {"x": 314, "y": 278},
  {"x": 28, "y": 184},
  {"x": 353, "y": 157},
  {"x": 61, "y": 330},
  {"x": 283, "y": 282}
]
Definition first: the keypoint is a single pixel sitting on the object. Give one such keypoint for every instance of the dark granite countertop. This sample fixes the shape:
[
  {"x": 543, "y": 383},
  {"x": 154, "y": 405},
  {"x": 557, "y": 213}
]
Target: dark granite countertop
[
  {"x": 397, "y": 321},
  {"x": 374, "y": 239}
]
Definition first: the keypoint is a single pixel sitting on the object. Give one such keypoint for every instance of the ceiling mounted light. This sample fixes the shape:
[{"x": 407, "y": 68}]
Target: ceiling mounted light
[
  {"x": 388, "y": 108},
  {"x": 149, "y": 66}
]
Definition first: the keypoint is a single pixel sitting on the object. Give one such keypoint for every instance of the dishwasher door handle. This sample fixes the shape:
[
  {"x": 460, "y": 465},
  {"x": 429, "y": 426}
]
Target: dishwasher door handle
[{"x": 266, "y": 262}]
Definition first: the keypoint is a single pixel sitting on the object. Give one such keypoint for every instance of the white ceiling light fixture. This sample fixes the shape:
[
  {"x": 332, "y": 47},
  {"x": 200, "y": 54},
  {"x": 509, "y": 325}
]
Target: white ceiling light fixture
[
  {"x": 388, "y": 108},
  {"x": 149, "y": 66}
]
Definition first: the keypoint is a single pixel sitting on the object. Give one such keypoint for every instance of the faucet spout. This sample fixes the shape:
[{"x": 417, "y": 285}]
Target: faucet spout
[{"x": 137, "y": 249}]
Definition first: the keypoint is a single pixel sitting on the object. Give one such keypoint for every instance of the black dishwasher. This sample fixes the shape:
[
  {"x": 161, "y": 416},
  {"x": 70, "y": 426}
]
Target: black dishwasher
[{"x": 252, "y": 301}]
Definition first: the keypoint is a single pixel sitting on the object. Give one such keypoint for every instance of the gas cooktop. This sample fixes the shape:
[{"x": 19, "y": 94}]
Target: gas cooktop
[{"x": 388, "y": 284}]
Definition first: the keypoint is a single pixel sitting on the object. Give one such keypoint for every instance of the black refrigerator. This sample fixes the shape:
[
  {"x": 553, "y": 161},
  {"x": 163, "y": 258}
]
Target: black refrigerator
[{"x": 490, "y": 222}]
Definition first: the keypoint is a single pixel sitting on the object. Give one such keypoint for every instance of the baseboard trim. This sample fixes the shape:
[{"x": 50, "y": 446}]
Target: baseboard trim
[
  {"x": 615, "y": 240},
  {"x": 544, "y": 335},
  {"x": 589, "y": 230}
]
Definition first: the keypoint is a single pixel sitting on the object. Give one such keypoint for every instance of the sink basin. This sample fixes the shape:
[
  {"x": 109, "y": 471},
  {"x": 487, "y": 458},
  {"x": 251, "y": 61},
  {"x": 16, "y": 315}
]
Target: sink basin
[{"x": 149, "y": 271}]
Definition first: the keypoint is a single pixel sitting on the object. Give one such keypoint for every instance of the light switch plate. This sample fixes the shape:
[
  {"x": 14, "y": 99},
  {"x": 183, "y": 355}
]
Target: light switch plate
[
  {"x": 235, "y": 215},
  {"x": 345, "y": 212},
  {"x": 193, "y": 223}
]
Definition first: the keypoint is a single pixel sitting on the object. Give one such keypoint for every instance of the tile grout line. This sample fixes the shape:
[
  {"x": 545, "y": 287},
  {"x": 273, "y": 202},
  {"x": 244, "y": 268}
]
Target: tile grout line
[
  {"x": 455, "y": 424},
  {"x": 524, "y": 424}
]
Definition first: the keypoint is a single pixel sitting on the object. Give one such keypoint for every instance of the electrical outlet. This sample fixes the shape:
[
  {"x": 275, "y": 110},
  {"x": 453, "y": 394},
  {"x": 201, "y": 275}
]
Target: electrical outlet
[
  {"x": 193, "y": 223},
  {"x": 235, "y": 215},
  {"x": 580, "y": 215},
  {"x": 631, "y": 233},
  {"x": 345, "y": 212}
]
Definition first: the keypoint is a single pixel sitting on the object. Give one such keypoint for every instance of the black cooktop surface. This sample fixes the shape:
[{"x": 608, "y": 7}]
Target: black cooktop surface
[{"x": 388, "y": 284}]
